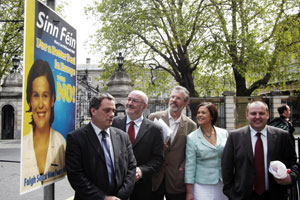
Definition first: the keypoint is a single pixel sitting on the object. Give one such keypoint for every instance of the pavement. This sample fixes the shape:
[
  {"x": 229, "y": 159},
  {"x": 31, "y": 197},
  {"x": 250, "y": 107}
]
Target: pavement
[{"x": 10, "y": 176}]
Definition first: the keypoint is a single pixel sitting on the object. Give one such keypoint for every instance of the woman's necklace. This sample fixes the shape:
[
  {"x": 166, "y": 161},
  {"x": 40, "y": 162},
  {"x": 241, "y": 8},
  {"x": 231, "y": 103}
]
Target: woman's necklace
[
  {"x": 208, "y": 136},
  {"x": 211, "y": 133}
]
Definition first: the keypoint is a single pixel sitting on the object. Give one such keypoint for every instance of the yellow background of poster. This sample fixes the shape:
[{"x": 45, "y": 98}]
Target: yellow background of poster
[{"x": 29, "y": 58}]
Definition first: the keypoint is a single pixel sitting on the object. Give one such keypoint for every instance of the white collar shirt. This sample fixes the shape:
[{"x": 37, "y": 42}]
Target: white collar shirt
[{"x": 174, "y": 124}]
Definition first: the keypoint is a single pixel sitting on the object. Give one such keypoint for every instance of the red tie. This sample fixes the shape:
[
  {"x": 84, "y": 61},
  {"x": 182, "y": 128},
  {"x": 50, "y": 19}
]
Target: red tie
[
  {"x": 131, "y": 132},
  {"x": 259, "y": 180}
]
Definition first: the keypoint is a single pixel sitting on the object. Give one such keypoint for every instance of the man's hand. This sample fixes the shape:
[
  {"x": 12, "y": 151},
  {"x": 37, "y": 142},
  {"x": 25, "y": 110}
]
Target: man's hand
[
  {"x": 165, "y": 146},
  {"x": 138, "y": 174},
  {"x": 286, "y": 181},
  {"x": 111, "y": 198}
]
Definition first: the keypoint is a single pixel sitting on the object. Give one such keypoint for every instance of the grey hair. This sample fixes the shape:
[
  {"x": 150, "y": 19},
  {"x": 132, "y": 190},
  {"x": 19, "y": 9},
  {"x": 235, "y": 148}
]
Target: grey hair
[
  {"x": 184, "y": 90},
  {"x": 145, "y": 98}
]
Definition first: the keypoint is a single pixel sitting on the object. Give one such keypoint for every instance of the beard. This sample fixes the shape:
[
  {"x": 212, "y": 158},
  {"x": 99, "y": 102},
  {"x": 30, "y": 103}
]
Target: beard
[{"x": 173, "y": 107}]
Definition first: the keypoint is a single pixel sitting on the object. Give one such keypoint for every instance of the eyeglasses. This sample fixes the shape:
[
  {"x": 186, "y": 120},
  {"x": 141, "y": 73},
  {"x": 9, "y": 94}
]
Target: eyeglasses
[{"x": 134, "y": 100}]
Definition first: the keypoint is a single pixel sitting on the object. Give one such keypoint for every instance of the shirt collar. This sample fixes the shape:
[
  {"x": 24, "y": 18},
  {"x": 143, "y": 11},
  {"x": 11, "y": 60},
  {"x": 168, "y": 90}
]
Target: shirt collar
[
  {"x": 253, "y": 132},
  {"x": 137, "y": 122},
  {"x": 98, "y": 130}
]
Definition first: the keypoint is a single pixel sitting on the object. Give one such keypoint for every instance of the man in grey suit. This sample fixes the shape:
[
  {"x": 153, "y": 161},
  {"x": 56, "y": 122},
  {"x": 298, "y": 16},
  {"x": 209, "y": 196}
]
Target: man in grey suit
[
  {"x": 99, "y": 159},
  {"x": 242, "y": 176},
  {"x": 147, "y": 143},
  {"x": 168, "y": 181}
]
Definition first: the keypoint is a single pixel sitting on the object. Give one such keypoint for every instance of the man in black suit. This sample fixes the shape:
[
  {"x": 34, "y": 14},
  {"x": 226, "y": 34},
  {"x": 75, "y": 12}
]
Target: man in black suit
[
  {"x": 99, "y": 159},
  {"x": 147, "y": 143},
  {"x": 240, "y": 168}
]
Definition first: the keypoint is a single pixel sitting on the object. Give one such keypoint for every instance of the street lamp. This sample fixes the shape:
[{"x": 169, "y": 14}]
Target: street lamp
[
  {"x": 16, "y": 62},
  {"x": 120, "y": 61}
]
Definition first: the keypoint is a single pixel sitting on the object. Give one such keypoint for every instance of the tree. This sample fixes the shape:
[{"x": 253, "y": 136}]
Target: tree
[
  {"x": 156, "y": 34},
  {"x": 195, "y": 40},
  {"x": 253, "y": 40},
  {"x": 11, "y": 32}
]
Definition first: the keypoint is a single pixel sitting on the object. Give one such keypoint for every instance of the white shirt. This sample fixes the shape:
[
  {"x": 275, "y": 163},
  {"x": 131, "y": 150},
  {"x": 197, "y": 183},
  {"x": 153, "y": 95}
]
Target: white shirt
[
  {"x": 173, "y": 126},
  {"x": 137, "y": 124},
  {"x": 108, "y": 139},
  {"x": 265, "y": 144}
]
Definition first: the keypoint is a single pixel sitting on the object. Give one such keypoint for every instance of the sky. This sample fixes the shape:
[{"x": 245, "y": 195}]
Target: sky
[{"x": 74, "y": 15}]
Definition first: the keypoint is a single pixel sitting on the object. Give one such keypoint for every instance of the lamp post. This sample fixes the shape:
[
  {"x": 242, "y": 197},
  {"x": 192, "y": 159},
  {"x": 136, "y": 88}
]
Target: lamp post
[
  {"x": 49, "y": 190},
  {"x": 16, "y": 63},
  {"x": 120, "y": 61}
]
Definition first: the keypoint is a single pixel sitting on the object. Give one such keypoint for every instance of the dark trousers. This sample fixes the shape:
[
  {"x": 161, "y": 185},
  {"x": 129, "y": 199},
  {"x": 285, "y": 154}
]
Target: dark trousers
[
  {"x": 161, "y": 192},
  {"x": 142, "y": 190},
  {"x": 264, "y": 196}
]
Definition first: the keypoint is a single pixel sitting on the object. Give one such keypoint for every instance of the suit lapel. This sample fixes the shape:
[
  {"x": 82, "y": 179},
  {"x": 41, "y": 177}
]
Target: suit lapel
[
  {"x": 94, "y": 140},
  {"x": 143, "y": 129},
  {"x": 115, "y": 144},
  {"x": 248, "y": 144},
  {"x": 271, "y": 138},
  {"x": 204, "y": 141},
  {"x": 180, "y": 128},
  {"x": 165, "y": 117},
  {"x": 122, "y": 123}
]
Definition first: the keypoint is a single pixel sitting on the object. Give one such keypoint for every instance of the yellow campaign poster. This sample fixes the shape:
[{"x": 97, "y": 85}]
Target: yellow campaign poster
[{"x": 49, "y": 94}]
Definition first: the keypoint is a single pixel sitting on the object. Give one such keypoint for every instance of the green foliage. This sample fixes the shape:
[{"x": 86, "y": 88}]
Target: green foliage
[
  {"x": 248, "y": 32},
  {"x": 202, "y": 44},
  {"x": 11, "y": 32},
  {"x": 158, "y": 35}
]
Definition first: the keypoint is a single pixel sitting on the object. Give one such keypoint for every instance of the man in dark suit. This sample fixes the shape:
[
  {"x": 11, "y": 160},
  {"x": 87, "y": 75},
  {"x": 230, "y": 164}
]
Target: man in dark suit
[
  {"x": 147, "y": 143},
  {"x": 242, "y": 177},
  {"x": 99, "y": 159}
]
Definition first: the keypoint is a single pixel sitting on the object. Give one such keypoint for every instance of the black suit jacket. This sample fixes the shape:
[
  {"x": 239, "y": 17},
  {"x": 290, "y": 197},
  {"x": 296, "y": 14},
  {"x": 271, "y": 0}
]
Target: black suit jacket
[
  {"x": 238, "y": 168},
  {"x": 148, "y": 150},
  {"x": 86, "y": 166}
]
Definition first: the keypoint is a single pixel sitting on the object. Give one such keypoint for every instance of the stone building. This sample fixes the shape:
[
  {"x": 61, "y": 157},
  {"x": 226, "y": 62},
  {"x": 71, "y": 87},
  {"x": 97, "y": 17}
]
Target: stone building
[
  {"x": 11, "y": 106},
  {"x": 88, "y": 85}
]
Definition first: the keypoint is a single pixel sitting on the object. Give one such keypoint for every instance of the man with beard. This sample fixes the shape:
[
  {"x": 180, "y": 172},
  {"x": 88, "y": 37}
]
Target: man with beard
[
  {"x": 168, "y": 181},
  {"x": 147, "y": 143}
]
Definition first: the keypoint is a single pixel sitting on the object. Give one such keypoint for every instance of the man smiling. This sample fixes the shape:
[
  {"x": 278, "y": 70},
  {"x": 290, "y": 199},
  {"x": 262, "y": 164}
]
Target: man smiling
[
  {"x": 247, "y": 156},
  {"x": 147, "y": 143}
]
